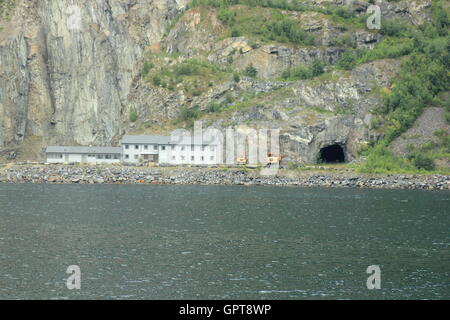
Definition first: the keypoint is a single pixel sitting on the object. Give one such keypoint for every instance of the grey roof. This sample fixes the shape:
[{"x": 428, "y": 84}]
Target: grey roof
[
  {"x": 187, "y": 140},
  {"x": 87, "y": 150},
  {"x": 146, "y": 139}
]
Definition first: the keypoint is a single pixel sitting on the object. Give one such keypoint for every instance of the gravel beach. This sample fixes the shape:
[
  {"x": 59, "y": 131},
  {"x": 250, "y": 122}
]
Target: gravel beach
[{"x": 75, "y": 174}]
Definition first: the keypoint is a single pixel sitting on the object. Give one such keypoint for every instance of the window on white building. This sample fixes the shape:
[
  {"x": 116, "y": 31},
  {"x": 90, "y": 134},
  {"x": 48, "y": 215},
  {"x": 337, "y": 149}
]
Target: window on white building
[
  {"x": 212, "y": 148},
  {"x": 127, "y": 156},
  {"x": 212, "y": 158},
  {"x": 173, "y": 158},
  {"x": 163, "y": 148},
  {"x": 193, "y": 158},
  {"x": 136, "y": 147},
  {"x": 136, "y": 156},
  {"x": 155, "y": 147},
  {"x": 145, "y": 147},
  {"x": 173, "y": 147},
  {"x": 192, "y": 148},
  {"x": 183, "y": 148},
  {"x": 127, "y": 147},
  {"x": 203, "y": 158},
  {"x": 203, "y": 148},
  {"x": 183, "y": 157}
]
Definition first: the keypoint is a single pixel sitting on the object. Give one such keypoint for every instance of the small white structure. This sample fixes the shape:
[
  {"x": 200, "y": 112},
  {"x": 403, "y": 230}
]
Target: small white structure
[
  {"x": 105, "y": 155},
  {"x": 167, "y": 150}
]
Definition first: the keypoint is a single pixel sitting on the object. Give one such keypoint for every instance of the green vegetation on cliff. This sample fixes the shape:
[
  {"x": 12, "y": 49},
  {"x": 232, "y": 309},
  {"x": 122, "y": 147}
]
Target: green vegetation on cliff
[
  {"x": 263, "y": 25},
  {"x": 6, "y": 8},
  {"x": 193, "y": 76},
  {"x": 338, "y": 12},
  {"x": 423, "y": 50},
  {"x": 423, "y": 76},
  {"x": 263, "y": 20}
]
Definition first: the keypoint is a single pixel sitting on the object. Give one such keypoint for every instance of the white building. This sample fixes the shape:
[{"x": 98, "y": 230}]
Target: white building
[
  {"x": 145, "y": 148},
  {"x": 177, "y": 150},
  {"x": 103, "y": 155},
  {"x": 167, "y": 150}
]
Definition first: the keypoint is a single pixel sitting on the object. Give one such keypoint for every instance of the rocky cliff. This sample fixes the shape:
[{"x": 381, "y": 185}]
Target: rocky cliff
[
  {"x": 67, "y": 67},
  {"x": 71, "y": 73}
]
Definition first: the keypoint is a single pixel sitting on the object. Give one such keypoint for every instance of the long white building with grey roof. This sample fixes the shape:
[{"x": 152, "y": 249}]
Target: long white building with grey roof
[
  {"x": 171, "y": 150},
  {"x": 57, "y": 154},
  {"x": 143, "y": 149}
]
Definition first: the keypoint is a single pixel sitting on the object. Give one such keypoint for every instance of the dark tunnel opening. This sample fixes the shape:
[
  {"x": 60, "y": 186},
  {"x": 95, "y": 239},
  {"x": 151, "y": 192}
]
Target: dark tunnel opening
[{"x": 332, "y": 154}]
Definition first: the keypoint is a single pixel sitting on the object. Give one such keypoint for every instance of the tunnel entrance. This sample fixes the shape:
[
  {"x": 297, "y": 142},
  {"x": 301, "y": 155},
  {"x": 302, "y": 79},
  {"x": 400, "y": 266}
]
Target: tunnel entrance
[{"x": 332, "y": 154}]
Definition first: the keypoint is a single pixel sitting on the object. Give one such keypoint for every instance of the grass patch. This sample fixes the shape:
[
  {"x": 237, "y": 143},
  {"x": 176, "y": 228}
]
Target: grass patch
[
  {"x": 7, "y": 8},
  {"x": 133, "y": 116},
  {"x": 263, "y": 25},
  {"x": 381, "y": 160},
  {"x": 193, "y": 76},
  {"x": 419, "y": 159},
  {"x": 303, "y": 72},
  {"x": 425, "y": 155},
  {"x": 341, "y": 14}
]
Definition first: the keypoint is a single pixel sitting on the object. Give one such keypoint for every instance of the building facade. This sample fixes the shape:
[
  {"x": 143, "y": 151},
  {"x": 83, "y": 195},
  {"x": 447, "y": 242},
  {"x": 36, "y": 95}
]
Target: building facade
[
  {"x": 137, "y": 149},
  {"x": 105, "y": 155},
  {"x": 142, "y": 149},
  {"x": 166, "y": 150}
]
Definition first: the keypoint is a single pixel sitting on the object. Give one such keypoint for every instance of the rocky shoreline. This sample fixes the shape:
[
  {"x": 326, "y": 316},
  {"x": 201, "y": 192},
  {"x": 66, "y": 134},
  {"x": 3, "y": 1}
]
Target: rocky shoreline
[{"x": 73, "y": 174}]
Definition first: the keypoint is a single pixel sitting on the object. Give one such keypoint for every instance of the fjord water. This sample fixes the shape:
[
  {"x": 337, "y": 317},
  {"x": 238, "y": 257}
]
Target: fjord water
[{"x": 220, "y": 242}]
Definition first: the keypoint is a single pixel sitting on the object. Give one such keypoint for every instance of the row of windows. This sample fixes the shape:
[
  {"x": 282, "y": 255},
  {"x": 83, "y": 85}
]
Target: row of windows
[
  {"x": 136, "y": 147},
  {"x": 116, "y": 156},
  {"x": 193, "y": 158},
  {"x": 174, "y": 158},
  {"x": 183, "y": 148},
  {"x": 96, "y": 156},
  {"x": 211, "y": 148},
  {"x": 104, "y": 156},
  {"x": 54, "y": 156}
]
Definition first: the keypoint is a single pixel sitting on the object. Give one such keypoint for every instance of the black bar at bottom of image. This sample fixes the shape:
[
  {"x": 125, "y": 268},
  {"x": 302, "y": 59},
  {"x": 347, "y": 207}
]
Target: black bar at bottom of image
[{"x": 232, "y": 309}]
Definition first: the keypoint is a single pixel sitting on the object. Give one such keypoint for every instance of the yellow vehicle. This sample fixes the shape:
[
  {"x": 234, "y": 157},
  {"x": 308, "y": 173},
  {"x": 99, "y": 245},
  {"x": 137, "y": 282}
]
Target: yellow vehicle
[
  {"x": 242, "y": 160},
  {"x": 272, "y": 159}
]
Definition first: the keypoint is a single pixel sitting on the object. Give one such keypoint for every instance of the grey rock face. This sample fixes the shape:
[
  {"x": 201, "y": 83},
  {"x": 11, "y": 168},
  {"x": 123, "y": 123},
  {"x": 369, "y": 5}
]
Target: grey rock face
[
  {"x": 416, "y": 12},
  {"x": 313, "y": 115},
  {"x": 269, "y": 60},
  {"x": 67, "y": 66},
  {"x": 70, "y": 71},
  {"x": 14, "y": 78}
]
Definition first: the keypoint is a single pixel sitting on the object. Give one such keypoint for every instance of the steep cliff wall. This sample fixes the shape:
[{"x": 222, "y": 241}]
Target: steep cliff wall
[
  {"x": 70, "y": 72},
  {"x": 66, "y": 67}
]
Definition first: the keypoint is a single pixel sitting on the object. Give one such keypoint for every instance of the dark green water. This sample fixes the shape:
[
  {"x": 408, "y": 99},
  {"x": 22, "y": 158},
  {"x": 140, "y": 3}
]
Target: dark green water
[{"x": 204, "y": 242}]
